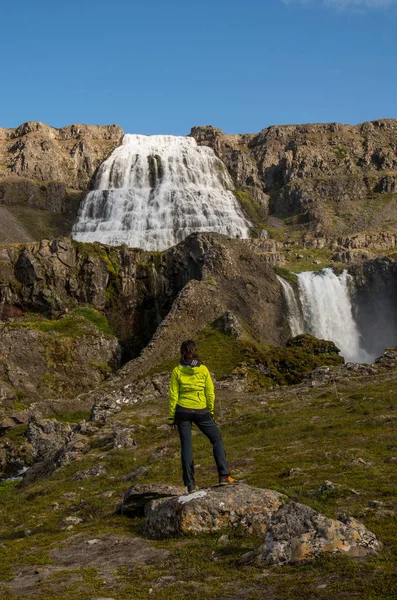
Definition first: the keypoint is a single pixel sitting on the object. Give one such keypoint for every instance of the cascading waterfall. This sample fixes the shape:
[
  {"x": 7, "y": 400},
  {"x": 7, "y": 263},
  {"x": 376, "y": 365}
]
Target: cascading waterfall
[
  {"x": 295, "y": 319},
  {"x": 326, "y": 311},
  {"x": 153, "y": 191}
]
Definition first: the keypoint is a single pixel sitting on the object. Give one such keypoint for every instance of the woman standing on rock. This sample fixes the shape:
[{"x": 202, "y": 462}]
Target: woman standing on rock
[{"x": 192, "y": 401}]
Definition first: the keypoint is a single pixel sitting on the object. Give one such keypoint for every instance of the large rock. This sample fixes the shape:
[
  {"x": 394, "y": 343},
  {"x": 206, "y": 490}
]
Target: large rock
[
  {"x": 47, "y": 436},
  {"x": 292, "y": 532},
  {"x": 211, "y": 509},
  {"x": 297, "y": 532}
]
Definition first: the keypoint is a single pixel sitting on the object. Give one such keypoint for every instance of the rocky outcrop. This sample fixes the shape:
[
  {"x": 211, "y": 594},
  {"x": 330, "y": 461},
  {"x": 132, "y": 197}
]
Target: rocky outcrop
[
  {"x": 331, "y": 178},
  {"x": 47, "y": 436},
  {"x": 292, "y": 532},
  {"x": 297, "y": 532},
  {"x": 137, "y": 289},
  {"x": 46, "y": 171},
  {"x": 42, "y": 359},
  {"x": 212, "y": 509}
]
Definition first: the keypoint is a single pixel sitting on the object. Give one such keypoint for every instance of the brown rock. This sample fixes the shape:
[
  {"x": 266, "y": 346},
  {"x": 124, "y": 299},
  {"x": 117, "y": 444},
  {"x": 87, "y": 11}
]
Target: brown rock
[{"x": 48, "y": 169}]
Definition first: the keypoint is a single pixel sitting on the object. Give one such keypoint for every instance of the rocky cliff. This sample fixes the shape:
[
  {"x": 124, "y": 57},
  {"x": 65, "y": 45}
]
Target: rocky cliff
[
  {"x": 174, "y": 295},
  {"x": 44, "y": 173},
  {"x": 322, "y": 178}
]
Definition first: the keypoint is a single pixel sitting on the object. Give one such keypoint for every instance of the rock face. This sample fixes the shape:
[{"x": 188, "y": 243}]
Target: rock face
[
  {"x": 329, "y": 178},
  {"x": 36, "y": 364},
  {"x": 137, "y": 289},
  {"x": 47, "y": 436},
  {"x": 332, "y": 177},
  {"x": 45, "y": 171},
  {"x": 292, "y": 532}
]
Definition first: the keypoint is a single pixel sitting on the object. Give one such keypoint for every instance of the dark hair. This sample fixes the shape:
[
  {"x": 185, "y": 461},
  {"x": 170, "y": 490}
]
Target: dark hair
[{"x": 189, "y": 350}]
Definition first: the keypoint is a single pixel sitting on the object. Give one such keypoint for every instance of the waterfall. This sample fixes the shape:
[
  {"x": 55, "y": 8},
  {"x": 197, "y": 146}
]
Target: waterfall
[
  {"x": 295, "y": 320},
  {"x": 327, "y": 312},
  {"x": 153, "y": 191}
]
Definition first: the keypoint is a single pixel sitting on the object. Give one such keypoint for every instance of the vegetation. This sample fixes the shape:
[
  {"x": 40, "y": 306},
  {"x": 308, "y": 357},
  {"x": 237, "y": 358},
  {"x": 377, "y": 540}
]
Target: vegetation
[
  {"x": 73, "y": 324},
  {"x": 255, "y": 211},
  {"x": 286, "y": 274},
  {"x": 265, "y": 366},
  {"x": 290, "y": 440}
]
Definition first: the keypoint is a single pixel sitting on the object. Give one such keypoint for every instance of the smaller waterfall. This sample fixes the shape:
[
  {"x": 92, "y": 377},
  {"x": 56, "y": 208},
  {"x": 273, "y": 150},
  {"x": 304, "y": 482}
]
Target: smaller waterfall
[
  {"x": 327, "y": 311},
  {"x": 295, "y": 319}
]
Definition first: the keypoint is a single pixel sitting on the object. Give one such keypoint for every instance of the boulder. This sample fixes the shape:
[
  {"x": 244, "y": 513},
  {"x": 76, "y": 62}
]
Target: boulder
[
  {"x": 47, "y": 436},
  {"x": 212, "y": 508},
  {"x": 292, "y": 532},
  {"x": 124, "y": 438},
  {"x": 104, "y": 408},
  {"x": 94, "y": 471},
  {"x": 297, "y": 532}
]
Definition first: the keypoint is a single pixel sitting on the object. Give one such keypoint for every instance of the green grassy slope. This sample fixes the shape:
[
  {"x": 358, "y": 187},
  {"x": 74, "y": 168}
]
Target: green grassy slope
[{"x": 292, "y": 440}]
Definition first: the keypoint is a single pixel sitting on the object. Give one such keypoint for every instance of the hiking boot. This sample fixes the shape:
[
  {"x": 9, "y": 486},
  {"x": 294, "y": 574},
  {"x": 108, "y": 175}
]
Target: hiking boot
[
  {"x": 191, "y": 489},
  {"x": 226, "y": 480}
]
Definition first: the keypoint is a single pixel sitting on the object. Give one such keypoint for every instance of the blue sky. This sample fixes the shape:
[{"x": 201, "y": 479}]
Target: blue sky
[{"x": 163, "y": 67}]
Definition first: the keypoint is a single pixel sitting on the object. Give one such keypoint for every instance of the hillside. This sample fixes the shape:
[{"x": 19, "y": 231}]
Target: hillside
[
  {"x": 44, "y": 173},
  {"x": 329, "y": 443}
]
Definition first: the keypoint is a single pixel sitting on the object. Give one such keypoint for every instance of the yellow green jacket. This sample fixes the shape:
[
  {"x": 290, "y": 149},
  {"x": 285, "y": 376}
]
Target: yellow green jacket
[{"x": 191, "y": 387}]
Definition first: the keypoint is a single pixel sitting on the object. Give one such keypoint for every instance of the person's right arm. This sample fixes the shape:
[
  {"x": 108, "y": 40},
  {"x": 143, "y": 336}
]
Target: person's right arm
[{"x": 174, "y": 396}]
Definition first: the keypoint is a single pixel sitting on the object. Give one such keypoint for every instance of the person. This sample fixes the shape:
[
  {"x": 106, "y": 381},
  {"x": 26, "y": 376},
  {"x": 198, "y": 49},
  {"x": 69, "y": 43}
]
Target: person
[{"x": 192, "y": 400}]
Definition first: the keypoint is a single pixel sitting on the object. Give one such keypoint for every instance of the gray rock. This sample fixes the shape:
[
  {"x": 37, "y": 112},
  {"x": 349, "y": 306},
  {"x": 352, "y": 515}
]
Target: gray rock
[
  {"x": 105, "y": 408},
  {"x": 124, "y": 438},
  {"x": 159, "y": 453},
  {"x": 67, "y": 521},
  {"x": 92, "y": 472},
  {"x": 297, "y": 532},
  {"x": 229, "y": 324},
  {"x": 136, "y": 473},
  {"x": 210, "y": 509},
  {"x": 47, "y": 436}
]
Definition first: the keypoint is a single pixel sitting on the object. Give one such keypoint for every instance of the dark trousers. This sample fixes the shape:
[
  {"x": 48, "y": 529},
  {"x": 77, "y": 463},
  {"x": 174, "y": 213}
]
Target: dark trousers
[{"x": 207, "y": 425}]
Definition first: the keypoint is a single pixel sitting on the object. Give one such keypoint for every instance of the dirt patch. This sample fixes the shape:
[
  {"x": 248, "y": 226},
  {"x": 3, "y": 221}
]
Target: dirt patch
[{"x": 106, "y": 553}]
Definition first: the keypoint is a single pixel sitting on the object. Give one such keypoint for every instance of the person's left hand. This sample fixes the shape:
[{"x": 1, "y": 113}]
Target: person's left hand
[{"x": 171, "y": 427}]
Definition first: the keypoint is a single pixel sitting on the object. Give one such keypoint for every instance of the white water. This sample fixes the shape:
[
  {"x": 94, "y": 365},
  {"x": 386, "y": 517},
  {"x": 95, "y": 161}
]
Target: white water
[
  {"x": 295, "y": 319},
  {"x": 153, "y": 191},
  {"x": 328, "y": 314}
]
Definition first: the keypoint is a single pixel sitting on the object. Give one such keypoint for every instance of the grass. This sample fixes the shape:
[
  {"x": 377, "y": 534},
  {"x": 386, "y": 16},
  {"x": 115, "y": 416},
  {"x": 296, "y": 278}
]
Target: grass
[
  {"x": 320, "y": 431},
  {"x": 254, "y": 210},
  {"x": 286, "y": 274},
  {"x": 223, "y": 355},
  {"x": 72, "y": 417},
  {"x": 311, "y": 260},
  {"x": 44, "y": 224},
  {"x": 73, "y": 324}
]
